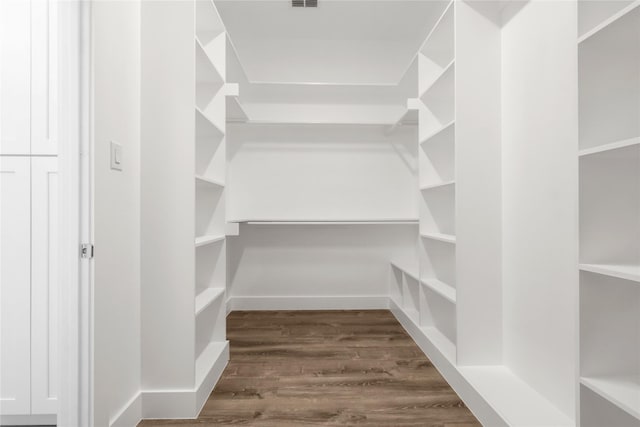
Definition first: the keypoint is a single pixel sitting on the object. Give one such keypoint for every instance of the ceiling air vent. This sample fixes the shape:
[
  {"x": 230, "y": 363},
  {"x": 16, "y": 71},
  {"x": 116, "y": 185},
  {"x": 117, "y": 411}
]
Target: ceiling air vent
[{"x": 304, "y": 3}]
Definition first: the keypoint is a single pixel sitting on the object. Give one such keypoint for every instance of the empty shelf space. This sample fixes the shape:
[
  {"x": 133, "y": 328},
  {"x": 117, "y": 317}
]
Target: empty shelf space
[
  {"x": 446, "y": 72},
  {"x": 610, "y": 147},
  {"x": 206, "y": 297},
  {"x": 622, "y": 391},
  {"x": 206, "y": 69},
  {"x": 445, "y": 184},
  {"x": 517, "y": 402},
  {"x": 204, "y": 125},
  {"x": 441, "y": 342},
  {"x": 207, "y": 240},
  {"x": 607, "y": 22},
  {"x": 447, "y": 127},
  {"x": 446, "y": 291},
  {"x": 209, "y": 181},
  {"x": 207, "y": 359},
  {"x": 447, "y": 238},
  {"x": 621, "y": 271}
]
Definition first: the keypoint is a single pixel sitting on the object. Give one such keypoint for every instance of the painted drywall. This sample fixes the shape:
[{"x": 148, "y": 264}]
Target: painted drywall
[
  {"x": 321, "y": 172},
  {"x": 167, "y": 182},
  {"x": 115, "y": 28},
  {"x": 539, "y": 175}
]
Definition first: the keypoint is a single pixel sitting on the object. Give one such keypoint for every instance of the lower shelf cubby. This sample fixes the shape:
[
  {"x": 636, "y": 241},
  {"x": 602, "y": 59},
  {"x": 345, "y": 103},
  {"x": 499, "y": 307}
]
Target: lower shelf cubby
[
  {"x": 211, "y": 265},
  {"x": 210, "y": 324},
  {"x": 437, "y": 311}
]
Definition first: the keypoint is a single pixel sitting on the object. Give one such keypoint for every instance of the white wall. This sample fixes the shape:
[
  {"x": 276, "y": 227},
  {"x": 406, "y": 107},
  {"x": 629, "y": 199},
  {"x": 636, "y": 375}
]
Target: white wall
[
  {"x": 116, "y": 293},
  {"x": 168, "y": 191},
  {"x": 314, "y": 261},
  {"x": 321, "y": 172},
  {"x": 539, "y": 175}
]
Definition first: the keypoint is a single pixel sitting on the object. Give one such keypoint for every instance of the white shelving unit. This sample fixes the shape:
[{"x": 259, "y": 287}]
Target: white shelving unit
[
  {"x": 210, "y": 175},
  {"x": 609, "y": 156}
]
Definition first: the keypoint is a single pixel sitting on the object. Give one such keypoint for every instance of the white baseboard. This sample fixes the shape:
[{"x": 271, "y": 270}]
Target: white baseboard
[
  {"x": 27, "y": 420},
  {"x": 474, "y": 401},
  {"x": 365, "y": 302},
  {"x": 130, "y": 415},
  {"x": 184, "y": 404}
]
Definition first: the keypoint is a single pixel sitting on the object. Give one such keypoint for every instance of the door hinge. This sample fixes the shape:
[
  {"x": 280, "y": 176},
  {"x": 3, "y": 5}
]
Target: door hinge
[{"x": 86, "y": 251}]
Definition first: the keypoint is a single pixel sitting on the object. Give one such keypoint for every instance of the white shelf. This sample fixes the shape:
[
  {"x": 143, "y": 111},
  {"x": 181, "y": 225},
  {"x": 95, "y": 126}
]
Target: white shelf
[
  {"x": 203, "y": 120},
  {"x": 384, "y": 221},
  {"x": 441, "y": 342},
  {"x": 517, "y": 402},
  {"x": 447, "y": 238},
  {"x": 627, "y": 272},
  {"x": 314, "y": 123},
  {"x": 207, "y": 70},
  {"x": 208, "y": 240},
  {"x": 209, "y": 181},
  {"x": 235, "y": 111},
  {"x": 444, "y": 128},
  {"x": 207, "y": 359},
  {"x": 205, "y": 298},
  {"x": 610, "y": 147},
  {"x": 409, "y": 268},
  {"x": 622, "y": 391},
  {"x": 448, "y": 292},
  {"x": 439, "y": 185},
  {"x": 608, "y": 22},
  {"x": 444, "y": 73}
]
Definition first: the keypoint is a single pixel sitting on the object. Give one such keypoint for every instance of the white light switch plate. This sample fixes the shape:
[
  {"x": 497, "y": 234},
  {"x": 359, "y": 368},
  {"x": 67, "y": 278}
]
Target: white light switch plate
[{"x": 116, "y": 156}]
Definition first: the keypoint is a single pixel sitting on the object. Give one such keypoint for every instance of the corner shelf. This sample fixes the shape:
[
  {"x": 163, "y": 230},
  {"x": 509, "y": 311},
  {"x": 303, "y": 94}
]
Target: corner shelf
[
  {"x": 448, "y": 126},
  {"x": 205, "y": 298},
  {"x": 604, "y": 24},
  {"x": 209, "y": 181},
  {"x": 439, "y": 185},
  {"x": 610, "y": 147},
  {"x": 447, "y": 238},
  {"x": 626, "y": 272},
  {"x": 622, "y": 391},
  {"x": 208, "y": 240},
  {"x": 446, "y": 291}
]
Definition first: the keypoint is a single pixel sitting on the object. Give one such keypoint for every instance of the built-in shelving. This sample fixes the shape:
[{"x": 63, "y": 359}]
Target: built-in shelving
[
  {"x": 441, "y": 342},
  {"x": 208, "y": 181},
  {"x": 208, "y": 240},
  {"x": 235, "y": 111},
  {"x": 382, "y": 221},
  {"x": 206, "y": 126},
  {"x": 441, "y": 237},
  {"x": 601, "y": 149},
  {"x": 449, "y": 184},
  {"x": 448, "y": 292},
  {"x": 609, "y": 209},
  {"x": 627, "y": 272},
  {"x": 205, "y": 298},
  {"x": 447, "y": 130},
  {"x": 445, "y": 77},
  {"x": 621, "y": 390},
  {"x": 627, "y": 6},
  {"x": 207, "y": 359}
]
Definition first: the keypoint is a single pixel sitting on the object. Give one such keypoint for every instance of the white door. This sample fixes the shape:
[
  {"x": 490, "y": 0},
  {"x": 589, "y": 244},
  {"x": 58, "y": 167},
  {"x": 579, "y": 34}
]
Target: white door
[
  {"x": 15, "y": 289},
  {"x": 44, "y": 280},
  {"x": 15, "y": 76}
]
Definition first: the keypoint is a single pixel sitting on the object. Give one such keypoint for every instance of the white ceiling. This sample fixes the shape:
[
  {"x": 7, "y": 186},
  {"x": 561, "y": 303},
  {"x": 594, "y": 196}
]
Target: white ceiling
[{"x": 342, "y": 41}]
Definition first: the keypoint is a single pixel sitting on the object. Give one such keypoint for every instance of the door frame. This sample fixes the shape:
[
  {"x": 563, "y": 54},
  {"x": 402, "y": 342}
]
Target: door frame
[{"x": 75, "y": 345}]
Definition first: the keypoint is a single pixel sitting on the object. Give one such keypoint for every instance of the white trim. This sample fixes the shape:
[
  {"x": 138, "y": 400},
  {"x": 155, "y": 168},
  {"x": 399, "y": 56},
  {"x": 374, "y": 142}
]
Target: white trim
[
  {"x": 130, "y": 415},
  {"x": 364, "y": 302},
  {"x": 27, "y": 420},
  {"x": 183, "y": 404},
  {"x": 75, "y": 384}
]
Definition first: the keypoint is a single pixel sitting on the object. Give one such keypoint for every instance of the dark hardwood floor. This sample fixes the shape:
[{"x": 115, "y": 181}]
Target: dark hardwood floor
[{"x": 334, "y": 368}]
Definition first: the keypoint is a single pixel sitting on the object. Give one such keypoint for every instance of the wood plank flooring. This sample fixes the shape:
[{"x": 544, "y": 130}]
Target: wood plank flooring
[{"x": 332, "y": 368}]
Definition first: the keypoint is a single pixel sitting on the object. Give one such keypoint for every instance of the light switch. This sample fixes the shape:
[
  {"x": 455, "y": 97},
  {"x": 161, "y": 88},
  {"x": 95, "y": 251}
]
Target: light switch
[{"x": 116, "y": 156}]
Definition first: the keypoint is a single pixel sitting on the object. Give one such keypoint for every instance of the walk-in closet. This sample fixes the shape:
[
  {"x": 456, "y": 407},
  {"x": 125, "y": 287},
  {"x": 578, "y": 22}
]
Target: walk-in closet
[{"x": 320, "y": 212}]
